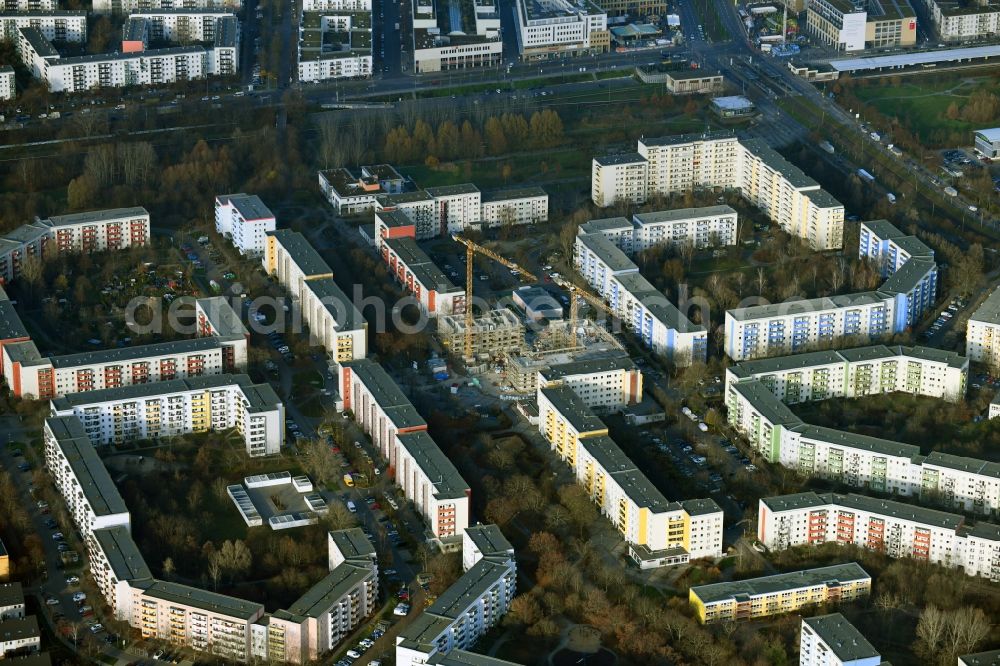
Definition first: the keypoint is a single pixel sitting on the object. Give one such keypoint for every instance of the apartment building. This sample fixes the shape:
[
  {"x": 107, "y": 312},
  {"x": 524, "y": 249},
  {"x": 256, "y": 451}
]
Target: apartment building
[
  {"x": 8, "y": 86},
  {"x": 658, "y": 533},
  {"x": 982, "y": 333},
  {"x": 62, "y": 25},
  {"x": 331, "y": 609},
  {"x": 116, "y": 564},
  {"x": 19, "y": 636},
  {"x": 292, "y": 260},
  {"x": 965, "y": 22},
  {"x": 856, "y": 25},
  {"x": 473, "y": 605},
  {"x": 460, "y": 35},
  {"x": 894, "y": 528},
  {"x": 889, "y": 248},
  {"x": 80, "y": 477},
  {"x": 350, "y": 194},
  {"x": 335, "y": 44},
  {"x": 424, "y": 474},
  {"x": 608, "y": 384},
  {"x": 28, "y": 5},
  {"x": 855, "y": 373},
  {"x": 830, "y": 640},
  {"x": 127, "y": 6},
  {"x": 719, "y": 160},
  {"x": 493, "y": 333},
  {"x": 180, "y": 406},
  {"x": 32, "y": 376},
  {"x": 623, "y": 177},
  {"x": 710, "y": 226},
  {"x": 559, "y": 28},
  {"x": 651, "y": 316},
  {"x": 18, "y": 246},
  {"x": 988, "y": 658},
  {"x": 182, "y": 24},
  {"x": 782, "y": 593},
  {"x": 99, "y": 230},
  {"x": 11, "y": 600},
  {"x": 457, "y": 207},
  {"x": 526, "y": 205},
  {"x": 417, "y": 205},
  {"x": 413, "y": 269},
  {"x": 244, "y": 220}
]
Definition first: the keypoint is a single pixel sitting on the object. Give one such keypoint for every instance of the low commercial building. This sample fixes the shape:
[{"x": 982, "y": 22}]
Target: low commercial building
[
  {"x": 527, "y": 205},
  {"x": 733, "y": 106},
  {"x": 350, "y": 194},
  {"x": 80, "y": 477},
  {"x": 61, "y": 25},
  {"x": 460, "y": 35},
  {"x": 858, "y": 372},
  {"x": 893, "y": 528},
  {"x": 559, "y": 28},
  {"x": 830, "y": 640},
  {"x": 180, "y": 406},
  {"x": 719, "y": 160},
  {"x": 965, "y": 22},
  {"x": 473, "y": 605},
  {"x": 658, "y": 532},
  {"x": 656, "y": 321},
  {"x": 987, "y": 143},
  {"x": 335, "y": 44},
  {"x": 537, "y": 303},
  {"x": 244, "y": 220},
  {"x": 8, "y": 86},
  {"x": 982, "y": 334},
  {"x": 693, "y": 82},
  {"x": 782, "y": 593},
  {"x": 493, "y": 333},
  {"x": 856, "y": 25}
]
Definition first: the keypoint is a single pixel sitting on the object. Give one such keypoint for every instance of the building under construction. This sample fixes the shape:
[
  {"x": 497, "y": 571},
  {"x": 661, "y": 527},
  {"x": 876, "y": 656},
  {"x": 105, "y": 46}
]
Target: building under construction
[
  {"x": 493, "y": 333},
  {"x": 558, "y": 345}
]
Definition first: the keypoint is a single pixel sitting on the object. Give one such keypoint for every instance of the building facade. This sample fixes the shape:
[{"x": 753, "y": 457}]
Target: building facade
[
  {"x": 244, "y": 220},
  {"x": 856, "y": 25},
  {"x": 982, "y": 333},
  {"x": 559, "y": 28},
  {"x": 830, "y": 640}
]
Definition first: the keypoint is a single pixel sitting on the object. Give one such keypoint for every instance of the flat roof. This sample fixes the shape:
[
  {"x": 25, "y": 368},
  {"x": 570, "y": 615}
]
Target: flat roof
[
  {"x": 770, "y": 407},
  {"x": 44, "y": 13},
  {"x": 190, "y": 11},
  {"x": 911, "y": 59},
  {"x": 447, "y": 482},
  {"x": 123, "y": 354},
  {"x": 989, "y": 311},
  {"x": 452, "y": 190},
  {"x": 806, "y": 306},
  {"x": 588, "y": 367},
  {"x": 220, "y": 604},
  {"x": 694, "y": 137},
  {"x": 345, "y": 313},
  {"x": 988, "y": 658},
  {"x": 402, "y": 198},
  {"x": 992, "y": 134},
  {"x": 301, "y": 252},
  {"x": 36, "y": 40},
  {"x": 778, "y": 163},
  {"x": 417, "y": 262},
  {"x": 620, "y": 158},
  {"x": 657, "y": 303},
  {"x": 352, "y": 543},
  {"x": 222, "y": 316},
  {"x": 700, "y": 507},
  {"x": 884, "y": 229},
  {"x": 18, "y": 629},
  {"x": 468, "y": 589},
  {"x": 11, "y": 326},
  {"x": 328, "y": 591},
  {"x": 753, "y": 587},
  {"x": 94, "y": 216},
  {"x": 516, "y": 193},
  {"x": 573, "y": 409},
  {"x": 899, "y": 510},
  {"x": 843, "y": 639},
  {"x": 853, "y": 440},
  {"x": 250, "y": 206},
  {"x": 689, "y": 74},
  {"x": 466, "y": 658},
  {"x": 11, "y": 594},
  {"x": 122, "y": 554},
  {"x": 605, "y": 224},
  {"x": 385, "y": 392},
  {"x": 150, "y": 53},
  {"x": 963, "y": 464},
  {"x": 660, "y": 216},
  {"x": 613, "y": 257},
  {"x": 908, "y": 276},
  {"x": 91, "y": 474},
  {"x": 156, "y": 389},
  {"x": 754, "y": 368},
  {"x": 489, "y": 540},
  {"x": 732, "y": 102}
]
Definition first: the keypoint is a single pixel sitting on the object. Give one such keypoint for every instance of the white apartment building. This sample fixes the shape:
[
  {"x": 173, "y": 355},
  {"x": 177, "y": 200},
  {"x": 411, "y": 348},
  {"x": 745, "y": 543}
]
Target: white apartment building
[
  {"x": 419, "y": 206},
  {"x": 63, "y": 25},
  {"x": 473, "y": 605},
  {"x": 350, "y": 58},
  {"x": 99, "y": 230},
  {"x": 422, "y": 471},
  {"x": 435, "y": 293},
  {"x": 292, "y": 260},
  {"x": 457, "y": 207},
  {"x": 855, "y": 373},
  {"x": 128, "y": 6},
  {"x": 781, "y": 593},
  {"x": 181, "y": 406},
  {"x": 718, "y": 160},
  {"x": 994, "y": 409},
  {"x": 559, "y": 28},
  {"x": 350, "y": 194},
  {"x": 527, "y": 205},
  {"x": 606, "y": 384},
  {"x": 960, "y": 22},
  {"x": 29, "y": 5},
  {"x": 8, "y": 87},
  {"x": 28, "y": 240},
  {"x": 881, "y": 242},
  {"x": 116, "y": 564},
  {"x": 80, "y": 477},
  {"x": 894, "y": 528},
  {"x": 701, "y": 227},
  {"x": 245, "y": 220},
  {"x": 337, "y": 5},
  {"x": 651, "y": 316},
  {"x": 982, "y": 333},
  {"x": 182, "y": 24},
  {"x": 460, "y": 35},
  {"x": 622, "y": 177},
  {"x": 658, "y": 532},
  {"x": 830, "y": 640},
  {"x": 19, "y": 636}
]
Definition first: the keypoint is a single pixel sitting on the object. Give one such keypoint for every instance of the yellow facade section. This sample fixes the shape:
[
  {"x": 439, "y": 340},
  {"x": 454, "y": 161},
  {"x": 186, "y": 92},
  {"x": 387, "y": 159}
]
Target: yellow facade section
[
  {"x": 699, "y": 607},
  {"x": 643, "y": 526}
]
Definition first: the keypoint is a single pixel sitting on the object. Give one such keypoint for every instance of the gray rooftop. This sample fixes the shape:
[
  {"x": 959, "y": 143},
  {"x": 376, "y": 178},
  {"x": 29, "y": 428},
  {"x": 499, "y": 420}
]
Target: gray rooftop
[
  {"x": 124, "y": 354},
  {"x": 11, "y": 326},
  {"x": 855, "y": 441},
  {"x": 301, "y": 252},
  {"x": 832, "y": 575},
  {"x": 456, "y": 600},
  {"x": 448, "y": 483},
  {"x": 678, "y": 139},
  {"x": 452, "y": 190},
  {"x": 843, "y": 639},
  {"x": 770, "y": 407},
  {"x": 417, "y": 262},
  {"x": 700, "y": 507},
  {"x": 11, "y": 594},
  {"x": 657, "y": 303},
  {"x": 989, "y": 311},
  {"x": 91, "y": 475},
  {"x": 519, "y": 193},
  {"x": 337, "y": 303},
  {"x": 122, "y": 554},
  {"x": 36, "y": 40},
  {"x": 899, "y": 510},
  {"x": 158, "y": 389},
  {"x": 203, "y": 599},
  {"x": 94, "y": 216},
  {"x": 609, "y": 253},
  {"x": 769, "y": 156},
  {"x": 352, "y": 543},
  {"x": 606, "y": 224},
  {"x": 139, "y": 55},
  {"x": 989, "y": 658},
  {"x": 321, "y": 597},
  {"x": 403, "y": 198},
  {"x": 222, "y": 316},
  {"x": 963, "y": 464},
  {"x": 806, "y": 306},
  {"x": 466, "y": 658},
  {"x": 573, "y": 409},
  {"x": 385, "y": 392},
  {"x": 588, "y": 367},
  {"x": 18, "y": 629},
  {"x": 909, "y": 276},
  {"x": 250, "y": 206},
  {"x": 619, "y": 159},
  {"x": 489, "y": 540},
  {"x": 661, "y": 216}
]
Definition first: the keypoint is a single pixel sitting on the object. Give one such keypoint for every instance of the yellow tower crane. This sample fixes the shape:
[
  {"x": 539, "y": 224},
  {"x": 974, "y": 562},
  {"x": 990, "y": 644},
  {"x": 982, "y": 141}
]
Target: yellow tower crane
[
  {"x": 471, "y": 249},
  {"x": 574, "y": 308}
]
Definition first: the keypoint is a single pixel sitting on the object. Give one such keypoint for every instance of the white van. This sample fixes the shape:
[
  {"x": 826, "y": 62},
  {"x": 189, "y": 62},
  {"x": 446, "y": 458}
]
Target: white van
[{"x": 351, "y": 507}]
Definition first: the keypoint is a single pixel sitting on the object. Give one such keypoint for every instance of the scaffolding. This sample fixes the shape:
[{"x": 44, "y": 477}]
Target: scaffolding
[{"x": 493, "y": 333}]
